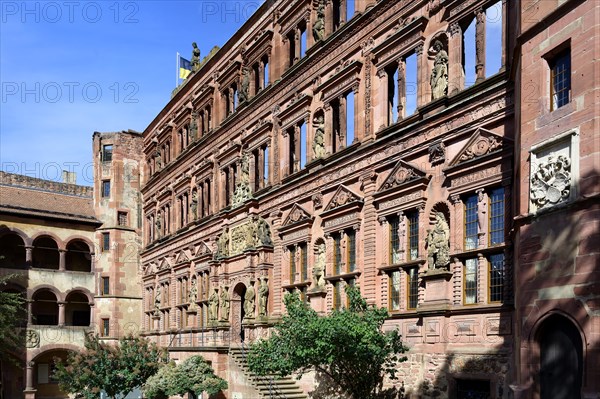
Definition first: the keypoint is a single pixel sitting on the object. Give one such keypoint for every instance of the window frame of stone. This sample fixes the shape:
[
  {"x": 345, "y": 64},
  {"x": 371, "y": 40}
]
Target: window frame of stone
[
  {"x": 470, "y": 222},
  {"x": 563, "y": 144},
  {"x": 390, "y": 56},
  {"x": 255, "y": 56},
  {"x": 105, "y": 330},
  {"x": 105, "y": 188},
  {"x": 105, "y": 285},
  {"x": 107, "y": 152},
  {"x": 123, "y": 218},
  {"x": 294, "y": 114},
  {"x": 558, "y": 58},
  {"x": 294, "y": 21},
  {"x": 460, "y": 17},
  {"x": 490, "y": 286},
  {"x": 295, "y": 232},
  {"x": 105, "y": 242},
  {"x": 228, "y": 84},
  {"x": 494, "y": 215},
  {"x": 203, "y": 103},
  {"x": 471, "y": 291}
]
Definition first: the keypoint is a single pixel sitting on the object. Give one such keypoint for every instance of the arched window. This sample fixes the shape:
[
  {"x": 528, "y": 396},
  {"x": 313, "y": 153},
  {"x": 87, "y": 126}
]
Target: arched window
[
  {"x": 45, "y": 308},
  {"x": 12, "y": 252},
  {"x": 45, "y": 253},
  {"x": 77, "y": 310},
  {"x": 79, "y": 258}
]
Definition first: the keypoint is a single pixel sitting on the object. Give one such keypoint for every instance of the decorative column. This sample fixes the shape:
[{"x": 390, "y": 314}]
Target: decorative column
[
  {"x": 456, "y": 73},
  {"x": 62, "y": 256},
  {"x": 29, "y": 312},
  {"x": 61, "y": 313},
  {"x": 385, "y": 240},
  {"x": 480, "y": 45},
  {"x": 423, "y": 71},
  {"x": 383, "y": 98},
  {"x": 29, "y": 255},
  {"x": 343, "y": 125},
  {"x": 261, "y": 167},
  {"x": 456, "y": 239},
  {"x": 297, "y": 42},
  {"x": 401, "y": 88},
  {"x": 370, "y": 273},
  {"x": 422, "y": 231},
  {"x": 29, "y": 388}
]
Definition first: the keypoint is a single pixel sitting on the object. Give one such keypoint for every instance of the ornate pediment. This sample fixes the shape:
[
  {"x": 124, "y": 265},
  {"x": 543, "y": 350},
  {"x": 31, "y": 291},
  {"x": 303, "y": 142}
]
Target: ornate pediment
[
  {"x": 341, "y": 197},
  {"x": 203, "y": 249},
  {"x": 181, "y": 257},
  {"x": 402, "y": 173},
  {"x": 296, "y": 214},
  {"x": 483, "y": 142},
  {"x": 164, "y": 264}
]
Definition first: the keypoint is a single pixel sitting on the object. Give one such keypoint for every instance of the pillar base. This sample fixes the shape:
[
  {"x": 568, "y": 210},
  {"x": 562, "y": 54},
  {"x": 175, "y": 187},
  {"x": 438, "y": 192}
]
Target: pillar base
[{"x": 29, "y": 393}]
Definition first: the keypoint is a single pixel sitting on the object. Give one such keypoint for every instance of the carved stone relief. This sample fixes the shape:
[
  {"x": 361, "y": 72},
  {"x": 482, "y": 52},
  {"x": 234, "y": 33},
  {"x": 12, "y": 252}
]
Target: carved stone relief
[
  {"x": 437, "y": 153},
  {"x": 551, "y": 181},
  {"x": 32, "y": 339},
  {"x": 481, "y": 146}
]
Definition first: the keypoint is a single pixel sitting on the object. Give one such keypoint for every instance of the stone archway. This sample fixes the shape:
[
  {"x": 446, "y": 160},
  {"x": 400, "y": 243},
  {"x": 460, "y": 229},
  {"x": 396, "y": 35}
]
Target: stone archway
[
  {"x": 237, "y": 313},
  {"x": 561, "y": 359}
]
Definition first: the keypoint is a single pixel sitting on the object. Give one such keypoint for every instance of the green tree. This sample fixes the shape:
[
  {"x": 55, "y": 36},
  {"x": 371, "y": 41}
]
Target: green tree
[
  {"x": 348, "y": 346},
  {"x": 12, "y": 312},
  {"x": 115, "y": 369},
  {"x": 193, "y": 376}
]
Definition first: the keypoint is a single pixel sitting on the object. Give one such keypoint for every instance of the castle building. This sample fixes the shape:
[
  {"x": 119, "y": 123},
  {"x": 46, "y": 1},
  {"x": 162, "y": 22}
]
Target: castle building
[
  {"x": 557, "y": 186},
  {"x": 76, "y": 249},
  {"x": 47, "y": 236},
  {"x": 335, "y": 143}
]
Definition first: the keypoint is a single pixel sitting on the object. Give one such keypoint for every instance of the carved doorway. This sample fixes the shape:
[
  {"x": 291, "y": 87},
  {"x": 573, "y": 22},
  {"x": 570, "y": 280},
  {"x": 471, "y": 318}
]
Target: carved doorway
[
  {"x": 237, "y": 313},
  {"x": 561, "y": 359}
]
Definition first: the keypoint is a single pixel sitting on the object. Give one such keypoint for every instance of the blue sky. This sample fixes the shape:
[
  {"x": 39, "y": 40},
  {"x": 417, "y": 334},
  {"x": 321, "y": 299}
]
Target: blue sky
[{"x": 69, "y": 68}]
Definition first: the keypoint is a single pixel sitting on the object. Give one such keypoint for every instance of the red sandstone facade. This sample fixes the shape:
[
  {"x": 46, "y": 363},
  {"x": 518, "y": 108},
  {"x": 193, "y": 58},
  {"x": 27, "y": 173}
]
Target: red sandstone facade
[
  {"x": 557, "y": 215},
  {"x": 324, "y": 146}
]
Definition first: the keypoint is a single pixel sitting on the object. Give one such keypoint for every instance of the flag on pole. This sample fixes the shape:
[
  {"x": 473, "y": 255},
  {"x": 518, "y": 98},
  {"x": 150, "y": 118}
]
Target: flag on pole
[{"x": 185, "y": 68}]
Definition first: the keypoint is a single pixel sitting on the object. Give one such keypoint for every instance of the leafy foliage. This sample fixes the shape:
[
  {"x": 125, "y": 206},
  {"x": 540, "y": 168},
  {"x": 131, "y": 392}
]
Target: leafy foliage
[
  {"x": 12, "y": 312},
  {"x": 348, "y": 346},
  {"x": 194, "y": 375},
  {"x": 116, "y": 369}
]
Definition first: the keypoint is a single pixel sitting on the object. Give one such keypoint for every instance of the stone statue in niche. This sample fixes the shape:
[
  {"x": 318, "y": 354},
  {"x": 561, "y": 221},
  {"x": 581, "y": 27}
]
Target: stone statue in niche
[
  {"x": 223, "y": 244},
  {"x": 399, "y": 252},
  {"x": 318, "y": 144},
  {"x": 249, "y": 302},
  {"x": 225, "y": 303},
  {"x": 438, "y": 243},
  {"x": 193, "y": 294},
  {"x": 158, "y": 225},
  {"x": 439, "y": 73},
  {"x": 158, "y": 161},
  {"x": 195, "y": 61},
  {"x": 157, "y": 299},
  {"x": 242, "y": 190},
  {"x": 551, "y": 181},
  {"x": 194, "y": 205},
  {"x": 263, "y": 292},
  {"x": 252, "y": 234},
  {"x": 194, "y": 126},
  {"x": 482, "y": 206},
  {"x": 437, "y": 153},
  {"x": 264, "y": 232},
  {"x": 319, "y": 267},
  {"x": 213, "y": 305},
  {"x": 319, "y": 25},
  {"x": 243, "y": 93}
]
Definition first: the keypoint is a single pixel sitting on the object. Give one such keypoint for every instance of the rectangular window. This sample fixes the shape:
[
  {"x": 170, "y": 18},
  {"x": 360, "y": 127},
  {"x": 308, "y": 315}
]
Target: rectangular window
[
  {"x": 266, "y": 167},
  {"x": 337, "y": 292},
  {"x": 122, "y": 218},
  {"x": 394, "y": 291},
  {"x": 471, "y": 222},
  {"x": 496, "y": 277},
  {"x": 470, "y": 281},
  {"x": 412, "y": 285},
  {"x": 303, "y": 153},
  {"x": 105, "y": 242},
  {"x": 337, "y": 254},
  {"x": 472, "y": 388},
  {"x": 413, "y": 235},
  {"x": 303, "y": 41},
  {"x": 105, "y": 331},
  {"x": 105, "y": 188},
  {"x": 394, "y": 255},
  {"x": 105, "y": 286},
  {"x": 351, "y": 248},
  {"x": 349, "y": 118},
  {"x": 560, "y": 79},
  {"x": 304, "y": 261},
  {"x": 392, "y": 94},
  {"x": 293, "y": 264},
  {"x": 107, "y": 153},
  {"x": 411, "y": 79},
  {"x": 496, "y": 216}
]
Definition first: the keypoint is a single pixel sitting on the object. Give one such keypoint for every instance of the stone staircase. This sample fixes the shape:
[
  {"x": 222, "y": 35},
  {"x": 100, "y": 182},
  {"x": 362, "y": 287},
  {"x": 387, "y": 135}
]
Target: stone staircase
[{"x": 269, "y": 386}]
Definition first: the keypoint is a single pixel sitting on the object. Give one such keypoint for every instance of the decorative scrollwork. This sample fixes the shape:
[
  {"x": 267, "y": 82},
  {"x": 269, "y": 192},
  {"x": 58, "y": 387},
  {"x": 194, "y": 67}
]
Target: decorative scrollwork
[{"x": 551, "y": 181}]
